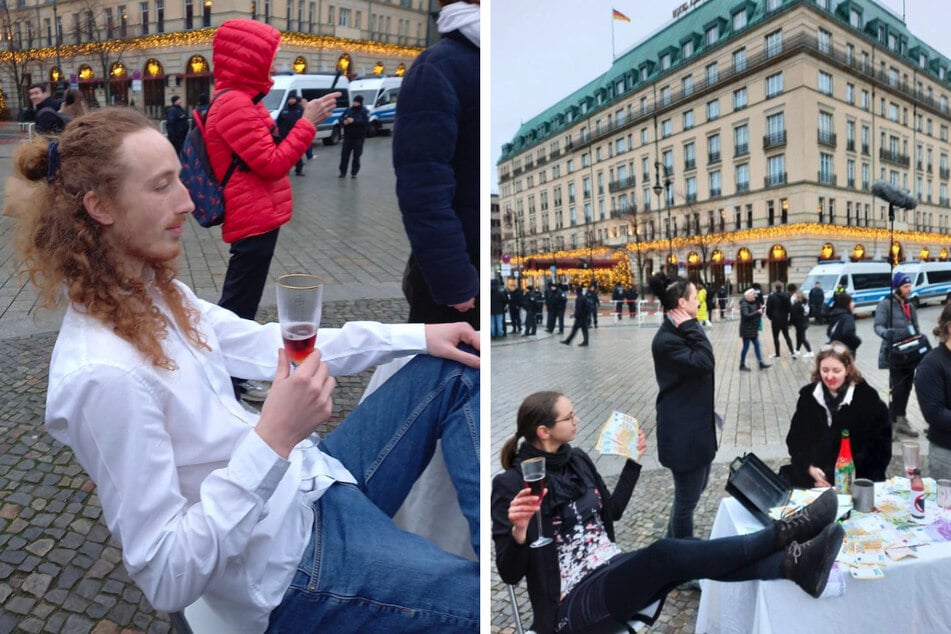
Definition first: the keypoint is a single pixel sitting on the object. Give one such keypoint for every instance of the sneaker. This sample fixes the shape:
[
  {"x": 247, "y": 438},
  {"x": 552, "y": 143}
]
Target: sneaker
[
  {"x": 794, "y": 356},
  {"x": 808, "y": 355},
  {"x": 344, "y": 175},
  {"x": 582, "y": 344},
  {"x": 743, "y": 368},
  {"x": 808, "y": 564},
  {"x": 807, "y": 522},
  {"x": 254, "y": 391},
  {"x": 902, "y": 427},
  {"x": 774, "y": 356},
  {"x": 763, "y": 366}
]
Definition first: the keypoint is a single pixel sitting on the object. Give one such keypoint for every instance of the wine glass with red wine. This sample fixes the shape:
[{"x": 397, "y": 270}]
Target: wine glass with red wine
[
  {"x": 533, "y": 472},
  {"x": 299, "y": 301}
]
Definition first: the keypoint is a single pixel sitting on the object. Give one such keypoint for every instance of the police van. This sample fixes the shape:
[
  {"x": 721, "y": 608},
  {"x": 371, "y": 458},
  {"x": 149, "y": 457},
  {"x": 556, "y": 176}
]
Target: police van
[
  {"x": 311, "y": 86},
  {"x": 379, "y": 98},
  {"x": 866, "y": 282},
  {"x": 930, "y": 281}
]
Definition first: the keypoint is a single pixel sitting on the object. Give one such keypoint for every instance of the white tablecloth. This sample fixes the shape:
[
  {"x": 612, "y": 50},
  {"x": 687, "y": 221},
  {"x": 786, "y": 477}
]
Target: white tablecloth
[{"x": 914, "y": 597}]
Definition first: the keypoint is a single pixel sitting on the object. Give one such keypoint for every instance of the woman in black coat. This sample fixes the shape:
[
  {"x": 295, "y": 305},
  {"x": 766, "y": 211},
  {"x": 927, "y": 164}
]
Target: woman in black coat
[
  {"x": 837, "y": 399},
  {"x": 842, "y": 322},
  {"x": 582, "y": 582},
  {"x": 686, "y": 429}
]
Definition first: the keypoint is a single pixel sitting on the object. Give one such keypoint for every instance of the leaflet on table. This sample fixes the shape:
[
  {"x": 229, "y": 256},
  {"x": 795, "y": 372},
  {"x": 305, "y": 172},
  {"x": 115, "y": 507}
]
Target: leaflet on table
[{"x": 619, "y": 436}]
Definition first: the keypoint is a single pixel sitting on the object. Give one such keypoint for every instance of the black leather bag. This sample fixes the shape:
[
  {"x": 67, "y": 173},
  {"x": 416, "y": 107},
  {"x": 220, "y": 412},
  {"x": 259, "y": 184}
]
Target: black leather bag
[
  {"x": 756, "y": 486},
  {"x": 909, "y": 352}
]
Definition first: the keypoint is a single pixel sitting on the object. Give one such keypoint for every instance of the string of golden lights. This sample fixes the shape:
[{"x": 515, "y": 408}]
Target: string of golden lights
[
  {"x": 776, "y": 234},
  {"x": 201, "y": 37}
]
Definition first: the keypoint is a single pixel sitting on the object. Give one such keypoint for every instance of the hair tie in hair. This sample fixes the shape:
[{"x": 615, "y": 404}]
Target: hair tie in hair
[{"x": 52, "y": 157}]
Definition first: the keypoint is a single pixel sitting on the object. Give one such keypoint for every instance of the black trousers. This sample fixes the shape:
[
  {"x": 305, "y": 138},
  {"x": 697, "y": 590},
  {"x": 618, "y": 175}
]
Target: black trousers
[
  {"x": 423, "y": 309},
  {"x": 356, "y": 147},
  {"x": 780, "y": 328},
  {"x": 900, "y": 382},
  {"x": 580, "y": 323},
  {"x": 247, "y": 274}
]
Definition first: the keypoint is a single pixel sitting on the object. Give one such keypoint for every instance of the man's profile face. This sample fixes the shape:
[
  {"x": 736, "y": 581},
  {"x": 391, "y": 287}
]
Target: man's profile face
[{"x": 37, "y": 95}]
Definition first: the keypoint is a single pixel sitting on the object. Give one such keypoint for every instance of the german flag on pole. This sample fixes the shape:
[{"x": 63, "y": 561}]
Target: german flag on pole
[{"x": 620, "y": 16}]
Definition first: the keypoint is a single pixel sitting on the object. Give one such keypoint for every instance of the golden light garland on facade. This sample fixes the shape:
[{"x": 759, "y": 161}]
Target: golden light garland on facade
[
  {"x": 771, "y": 234},
  {"x": 202, "y": 37}
]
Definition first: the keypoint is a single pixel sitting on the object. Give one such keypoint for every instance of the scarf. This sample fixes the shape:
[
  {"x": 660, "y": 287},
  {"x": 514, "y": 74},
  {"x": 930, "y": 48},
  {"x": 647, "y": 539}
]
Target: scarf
[
  {"x": 462, "y": 17},
  {"x": 566, "y": 482},
  {"x": 833, "y": 402}
]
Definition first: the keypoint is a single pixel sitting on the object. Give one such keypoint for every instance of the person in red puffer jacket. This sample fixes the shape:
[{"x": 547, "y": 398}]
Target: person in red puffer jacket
[{"x": 258, "y": 197}]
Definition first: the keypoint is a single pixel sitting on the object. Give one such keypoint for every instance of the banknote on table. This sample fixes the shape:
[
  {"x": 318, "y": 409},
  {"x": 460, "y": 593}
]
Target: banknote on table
[{"x": 619, "y": 436}]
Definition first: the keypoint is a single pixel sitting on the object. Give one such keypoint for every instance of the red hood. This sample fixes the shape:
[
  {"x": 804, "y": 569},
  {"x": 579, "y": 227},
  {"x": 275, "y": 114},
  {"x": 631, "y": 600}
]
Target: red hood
[{"x": 242, "y": 54}]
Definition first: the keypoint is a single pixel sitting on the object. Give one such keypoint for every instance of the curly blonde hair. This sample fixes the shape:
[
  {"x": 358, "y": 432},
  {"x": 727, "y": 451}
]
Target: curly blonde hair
[{"x": 63, "y": 249}]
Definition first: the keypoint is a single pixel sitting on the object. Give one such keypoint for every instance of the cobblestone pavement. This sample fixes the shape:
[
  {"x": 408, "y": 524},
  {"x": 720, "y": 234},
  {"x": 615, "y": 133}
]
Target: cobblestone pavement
[
  {"x": 60, "y": 571},
  {"x": 615, "y": 372}
]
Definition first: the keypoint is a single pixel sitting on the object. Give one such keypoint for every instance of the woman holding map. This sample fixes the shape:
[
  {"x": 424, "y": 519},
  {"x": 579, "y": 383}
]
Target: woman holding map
[
  {"x": 581, "y": 581},
  {"x": 686, "y": 428}
]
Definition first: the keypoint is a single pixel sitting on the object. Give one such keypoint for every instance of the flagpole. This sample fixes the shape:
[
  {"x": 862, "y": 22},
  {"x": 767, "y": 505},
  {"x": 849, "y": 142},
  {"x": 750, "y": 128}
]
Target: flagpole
[{"x": 613, "y": 50}]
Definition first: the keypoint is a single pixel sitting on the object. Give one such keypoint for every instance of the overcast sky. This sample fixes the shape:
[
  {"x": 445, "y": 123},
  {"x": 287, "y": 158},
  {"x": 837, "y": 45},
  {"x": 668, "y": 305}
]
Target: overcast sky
[{"x": 542, "y": 50}]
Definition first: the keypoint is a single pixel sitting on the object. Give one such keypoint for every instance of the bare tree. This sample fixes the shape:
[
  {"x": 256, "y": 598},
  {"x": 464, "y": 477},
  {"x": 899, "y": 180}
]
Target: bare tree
[
  {"x": 16, "y": 42},
  {"x": 96, "y": 28}
]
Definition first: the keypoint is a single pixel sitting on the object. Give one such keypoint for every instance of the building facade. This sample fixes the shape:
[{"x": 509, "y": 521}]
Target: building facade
[
  {"x": 142, "y": 52},
  {"x": 740, "y": 144}
]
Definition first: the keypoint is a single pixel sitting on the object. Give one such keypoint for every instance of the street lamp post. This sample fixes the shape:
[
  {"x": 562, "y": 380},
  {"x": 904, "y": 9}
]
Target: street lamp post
[
  {"x": 665, "y": 188},
  {"x": 511, "y": 220}
]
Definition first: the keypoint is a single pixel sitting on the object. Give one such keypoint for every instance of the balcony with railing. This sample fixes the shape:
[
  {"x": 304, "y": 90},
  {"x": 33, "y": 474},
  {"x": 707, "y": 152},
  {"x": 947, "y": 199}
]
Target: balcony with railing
[
  {"x": 774, "y": 139},
  {"x": 742, "y": 187},
  {"x": 691, "y": 198},
  {"x": 865, "y": 149},
  {"x": 851, "y": 183},
  {"x": 690, "y": 164},
  {"x": 943, "y": 202},
  {"x": 741, "y": 149},
  {"x": 622, "y": 183},
  {"x": 826, "y": 138},
  {"x": 944, "y": 173},
  {"x": 774, "y": 180},
  {"x": 850, "y": 145},
  {"x": 827, "y": 178},
  {"x": 715, "y": 192},
  {"x": 894, "y": 157},
  {"x": 713, "y": 157}
]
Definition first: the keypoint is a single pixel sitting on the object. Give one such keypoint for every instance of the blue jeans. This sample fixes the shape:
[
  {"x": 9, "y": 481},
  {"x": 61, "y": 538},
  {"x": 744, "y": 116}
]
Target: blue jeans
[
  {"x": 498, "y": 325},
  {"x": 688, "y": 485},
  {"x": 360, "y": 573},
  {"x": 746, "y": 346}
]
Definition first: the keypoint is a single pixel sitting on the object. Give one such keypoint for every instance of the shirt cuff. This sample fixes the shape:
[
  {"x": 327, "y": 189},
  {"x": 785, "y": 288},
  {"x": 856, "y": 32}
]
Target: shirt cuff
[
  {"x": 256, "y": 467},
  {"x": 409, "y": 337}
]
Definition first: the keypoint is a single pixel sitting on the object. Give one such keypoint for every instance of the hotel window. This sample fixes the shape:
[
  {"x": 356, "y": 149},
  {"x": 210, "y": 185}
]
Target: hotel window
[
  {"x": 160, "y": 16},
  {"x": 772, "y": 5},
  {"x": 739, "y": 60},
  {"x": 739, "y": 20},
  {"x": 669, "y": 162},
  {"x": 686, "y": 85},
  {"x": 774, "y": 43},
  {"x": 687, "y": 49},
  {"x": 691, "y": 186},
  {"x": 741, "y": 140},
  {"x": 739, "y": 99},
  {"x": 144, "y": 13},
  {"x": 825, "y": 41},
  {"x": 690, "y": 155},
  {"x": 849, "y": 54},
  {"x": 189, "y": 15},
  {"x": 855, "y": 19},
  {"x": 713, "y": 148},
  {"x": 776, "y": 168},
  {"x": 774, "y": 85},
  {"x": 864, "y": 103},
  {"x": 665, "y": 95},
  {"x": 743, "y": 177},
  {"x": 850, "y": 94},
  {"x": 713, "y": 109},
  {"x": 716, "y": 184},
  {"x": 688, "y": 120},
  {"x": 713, "y": 34},
  {"x": 665, "y": 61},
  {"x": 712, "y": 74},
  {"x": 825, "y": 83}
]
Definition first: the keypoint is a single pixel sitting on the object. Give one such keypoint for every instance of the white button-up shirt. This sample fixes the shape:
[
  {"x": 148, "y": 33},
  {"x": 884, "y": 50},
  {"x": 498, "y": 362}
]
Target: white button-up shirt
[{"x": 201, "y": 505}]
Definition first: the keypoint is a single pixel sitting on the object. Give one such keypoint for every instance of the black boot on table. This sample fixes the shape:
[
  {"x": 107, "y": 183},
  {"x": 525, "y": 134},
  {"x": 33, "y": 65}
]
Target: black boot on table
[{"x": 808, "y": 564}]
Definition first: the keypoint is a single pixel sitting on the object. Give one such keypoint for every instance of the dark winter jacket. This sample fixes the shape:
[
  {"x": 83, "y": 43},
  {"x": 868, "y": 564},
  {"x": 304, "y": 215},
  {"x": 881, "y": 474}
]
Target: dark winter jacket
[
  {"x": 436, "y": 157},
  {"x": 288, "y": 117},
  {"x": 176, "y": 125},
  {"x": 933, "y": 388},
  {"x": 891, "y": 325},
  {"x": 842, "y": 328},
  {"x": 582, "y": 310},
  {"x": 813, "y": 441},
  {"x": 777, "y": 308},
  {"x": 539, "y": 566},
  {"x": 797, "y": 315},
  {"x": 817, "y": 300},
  {"x": 47, "y": 118},
  {"x": 750, "y": 318},
  {"x": 259, "y": 200},
  {"x": 684, "y": 367},
  {"x": 497, "y": 300},
  {"x": 357, "y": 129}
]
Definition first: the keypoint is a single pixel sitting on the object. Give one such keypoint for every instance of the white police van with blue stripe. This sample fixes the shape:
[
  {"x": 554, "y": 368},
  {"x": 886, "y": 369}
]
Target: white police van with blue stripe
[
  {"x": 930, "y": 281},
  {"x": 379, "y": 98},
  {"x": 311, "y": 86},
  {"x": 866, "y": 282}
]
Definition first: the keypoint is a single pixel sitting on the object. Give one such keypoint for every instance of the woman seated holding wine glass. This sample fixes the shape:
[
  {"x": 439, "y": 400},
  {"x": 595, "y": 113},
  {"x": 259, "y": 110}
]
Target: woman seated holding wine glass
[
  {"x": 560, "y": 535},
  {"x": 836, "y": 399},
  {"x": 273, "y": 531}
]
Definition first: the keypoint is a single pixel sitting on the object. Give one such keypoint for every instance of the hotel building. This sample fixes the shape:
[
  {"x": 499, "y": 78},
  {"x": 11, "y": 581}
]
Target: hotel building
[{"x": 739, "y": 143}]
